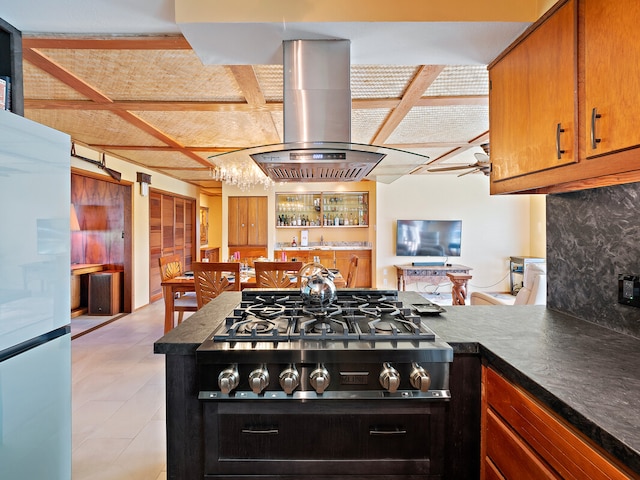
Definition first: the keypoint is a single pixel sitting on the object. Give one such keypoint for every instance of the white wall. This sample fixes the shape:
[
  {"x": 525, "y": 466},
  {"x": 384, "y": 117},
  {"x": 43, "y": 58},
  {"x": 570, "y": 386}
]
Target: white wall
[{"x": 493, "y": 227}]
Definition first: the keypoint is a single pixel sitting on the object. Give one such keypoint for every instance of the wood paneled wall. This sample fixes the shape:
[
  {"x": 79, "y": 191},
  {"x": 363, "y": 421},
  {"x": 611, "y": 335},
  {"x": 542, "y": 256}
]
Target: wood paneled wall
[{"x": 103, "y": 208}]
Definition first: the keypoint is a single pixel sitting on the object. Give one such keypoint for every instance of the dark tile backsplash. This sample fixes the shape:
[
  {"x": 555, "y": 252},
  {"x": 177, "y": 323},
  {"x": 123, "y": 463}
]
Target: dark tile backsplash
[{"x": 592, "y": 236}]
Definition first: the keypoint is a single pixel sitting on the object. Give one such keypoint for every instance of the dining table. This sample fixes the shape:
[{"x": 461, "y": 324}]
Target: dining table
[{"x": 186, "y": 283}]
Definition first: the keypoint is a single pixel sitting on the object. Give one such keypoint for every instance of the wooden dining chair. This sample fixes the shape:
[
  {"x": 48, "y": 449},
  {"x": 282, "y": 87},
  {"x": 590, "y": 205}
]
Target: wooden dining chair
[
  {"x": 277, "y": 274},
  {"x": 213, "y": 278},
  {"x": 171, "y": 267},
  {"x": 352, "y": 275}
]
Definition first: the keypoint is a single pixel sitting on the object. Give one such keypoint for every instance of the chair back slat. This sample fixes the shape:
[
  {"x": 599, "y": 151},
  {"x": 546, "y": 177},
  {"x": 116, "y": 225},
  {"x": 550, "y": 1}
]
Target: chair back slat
[
  {"x": 352, "y": 275},
  {"x": 170, "y": 267},
  {"x": 277, "y": 274},
  {"x": 213, "y": 278}
]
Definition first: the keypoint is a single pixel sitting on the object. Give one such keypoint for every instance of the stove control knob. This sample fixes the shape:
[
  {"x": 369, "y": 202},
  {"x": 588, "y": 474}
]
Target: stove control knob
[
  {"x": 228, "y": 379},
  {"x": 259, "y": 379},
  {"x": 389, "y": 378},
  {"x": 320, "y": 379},
  {"x": 289, "y": 379},
  {"x": 420, "y": 378}
]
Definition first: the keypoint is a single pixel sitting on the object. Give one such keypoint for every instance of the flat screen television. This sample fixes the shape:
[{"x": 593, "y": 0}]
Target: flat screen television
[{"x": 428, "y": 238}]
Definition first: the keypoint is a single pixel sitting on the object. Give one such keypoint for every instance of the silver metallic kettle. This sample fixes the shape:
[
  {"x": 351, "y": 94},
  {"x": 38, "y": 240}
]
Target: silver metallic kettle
[{"x": 316, "y": 285}]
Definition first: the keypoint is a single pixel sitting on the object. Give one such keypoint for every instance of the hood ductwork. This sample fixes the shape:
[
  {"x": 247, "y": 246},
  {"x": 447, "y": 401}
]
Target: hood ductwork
[{"x": 317, "y": 117}]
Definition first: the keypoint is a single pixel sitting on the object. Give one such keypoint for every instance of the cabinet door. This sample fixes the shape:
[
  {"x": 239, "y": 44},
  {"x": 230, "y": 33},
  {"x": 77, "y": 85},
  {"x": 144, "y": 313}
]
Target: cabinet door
[
  {"x": 247, "y": 221},
  {"x": 612, "y": 79},
  {"x": 257, "y": 220},
  {"x": 326, "y": 257},
  {"x": 532, "y": 100},
  {"x": 234, "y": 222}
]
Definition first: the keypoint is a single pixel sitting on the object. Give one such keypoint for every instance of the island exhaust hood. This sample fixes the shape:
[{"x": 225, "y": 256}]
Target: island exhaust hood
[{"x": 317, "y": 143}]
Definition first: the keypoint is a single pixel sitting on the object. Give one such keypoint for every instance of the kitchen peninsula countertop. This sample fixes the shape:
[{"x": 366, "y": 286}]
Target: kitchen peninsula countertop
[{"x": 587, "y": 374}]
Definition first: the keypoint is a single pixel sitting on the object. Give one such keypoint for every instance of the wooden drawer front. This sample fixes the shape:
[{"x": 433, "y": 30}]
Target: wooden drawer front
[
  {"x": 491, "y": 472},
  {"x": 559, "y": 444},
  {"x": 290, "y": 439},
  {"x": 514, "y": 459}
]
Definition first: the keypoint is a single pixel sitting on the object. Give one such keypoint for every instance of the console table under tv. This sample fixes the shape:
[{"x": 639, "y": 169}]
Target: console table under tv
[{"x": 434, "y": 275}]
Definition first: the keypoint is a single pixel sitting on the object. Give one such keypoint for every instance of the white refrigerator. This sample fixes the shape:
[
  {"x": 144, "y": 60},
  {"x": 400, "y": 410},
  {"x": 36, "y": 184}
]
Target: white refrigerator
[{"x": 35, "y": 339}]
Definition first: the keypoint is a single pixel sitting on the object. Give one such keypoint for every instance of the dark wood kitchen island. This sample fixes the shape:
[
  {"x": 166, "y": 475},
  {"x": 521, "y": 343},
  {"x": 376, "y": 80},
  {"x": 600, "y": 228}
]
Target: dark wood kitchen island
[{"x": 585, "y": 374}]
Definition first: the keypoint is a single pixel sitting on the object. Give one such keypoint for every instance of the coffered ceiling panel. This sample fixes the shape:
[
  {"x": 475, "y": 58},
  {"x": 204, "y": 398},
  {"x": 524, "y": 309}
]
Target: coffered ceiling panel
[
  {"x": 158, "y": 159},
  {"x": 168, "y": 75},
  {"x": 456, "y": 123},
  {"x": 218, "y": 129},
  {"x": 45, "y": 86},
  {"x": 94, "y": 127}
]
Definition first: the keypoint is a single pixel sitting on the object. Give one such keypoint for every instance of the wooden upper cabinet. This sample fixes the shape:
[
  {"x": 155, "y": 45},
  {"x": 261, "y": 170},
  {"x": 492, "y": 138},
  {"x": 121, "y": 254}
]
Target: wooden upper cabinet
[
  {"x": 587, "y": 46},
  {"x": 612, "y": 80},
  {"x": 533, "y": 98},
  {"x": 247, "y": 221}
]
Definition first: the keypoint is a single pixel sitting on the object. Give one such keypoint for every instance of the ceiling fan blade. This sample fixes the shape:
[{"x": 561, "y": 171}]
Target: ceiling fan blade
[
  {"x": 470, "y": 171},
  {"x": 450, "y": 169}
]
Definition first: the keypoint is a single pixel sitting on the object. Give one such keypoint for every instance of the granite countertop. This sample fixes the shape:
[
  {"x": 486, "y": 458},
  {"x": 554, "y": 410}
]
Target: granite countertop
[{"x": 588, "y": 374}]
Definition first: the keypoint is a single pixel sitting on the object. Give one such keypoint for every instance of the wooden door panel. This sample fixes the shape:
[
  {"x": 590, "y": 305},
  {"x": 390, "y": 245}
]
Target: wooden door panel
[
  {"x": 533, "y": 90},
  {"x": 262, "y": 226},
  {"x": 171, "y": 230},
  {"x": 167, "y": 224},
  {"x": 234, "y": 222},
  {"x": 612, "y": 84}
]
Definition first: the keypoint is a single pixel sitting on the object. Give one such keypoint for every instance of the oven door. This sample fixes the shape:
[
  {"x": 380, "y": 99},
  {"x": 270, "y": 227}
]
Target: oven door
[{"x": 328, "y": 438}]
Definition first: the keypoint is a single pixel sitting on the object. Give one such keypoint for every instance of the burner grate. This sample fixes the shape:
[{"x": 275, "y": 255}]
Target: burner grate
[{"x": 283, "y": 316}]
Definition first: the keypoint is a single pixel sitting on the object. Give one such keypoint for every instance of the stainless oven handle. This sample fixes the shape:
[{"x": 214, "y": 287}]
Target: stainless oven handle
[
  {"x": 396, "y": 431},
  {"x": 268, "y": 431}
]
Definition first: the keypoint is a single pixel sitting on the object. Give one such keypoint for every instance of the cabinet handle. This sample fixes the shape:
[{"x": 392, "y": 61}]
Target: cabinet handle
[
  {"x": 267, "y": 431},
  {"x": 395, "y": 431},
  {"x": 559, "y": 130},
  {"x": 594, "y": 140}
]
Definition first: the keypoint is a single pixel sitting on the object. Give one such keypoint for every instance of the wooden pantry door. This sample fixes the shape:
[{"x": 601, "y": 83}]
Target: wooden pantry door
[{"x": 171, "y": 231}]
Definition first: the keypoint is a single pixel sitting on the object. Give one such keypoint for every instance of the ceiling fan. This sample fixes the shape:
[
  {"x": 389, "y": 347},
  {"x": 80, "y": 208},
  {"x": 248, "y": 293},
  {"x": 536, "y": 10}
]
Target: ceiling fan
[{"x": 483, "y": 164}]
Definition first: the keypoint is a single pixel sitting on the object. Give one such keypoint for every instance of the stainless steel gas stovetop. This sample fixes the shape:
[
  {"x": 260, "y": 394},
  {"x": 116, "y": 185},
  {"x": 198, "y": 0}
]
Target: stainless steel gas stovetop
[{"x": 366, "y": 344}]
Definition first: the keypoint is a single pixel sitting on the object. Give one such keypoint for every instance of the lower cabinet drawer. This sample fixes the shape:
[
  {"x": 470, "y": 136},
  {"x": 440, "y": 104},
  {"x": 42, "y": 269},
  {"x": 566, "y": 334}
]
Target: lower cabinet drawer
[
  {"x": 513, "y": 416},
  {"x": 514, "y": 459},
  {"x": 335, "y": 439}
]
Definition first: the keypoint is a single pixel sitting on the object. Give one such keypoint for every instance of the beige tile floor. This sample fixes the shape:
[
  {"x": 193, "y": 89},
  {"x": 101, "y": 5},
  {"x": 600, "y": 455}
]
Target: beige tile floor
[{"x": 118, "y": 400}]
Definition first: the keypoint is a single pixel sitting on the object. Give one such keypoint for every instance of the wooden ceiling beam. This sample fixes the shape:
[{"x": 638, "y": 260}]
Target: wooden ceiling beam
[
  {"x": 153, "y": 106},
  {"x": 158, "y": 42},
  {"x": 247, "y": 80},
  {"x": 225, "y": 107},
  {"x": 434, "y": 101},
  {"x": 166, "y": 148},
  {"x": 424, "y": 77}
]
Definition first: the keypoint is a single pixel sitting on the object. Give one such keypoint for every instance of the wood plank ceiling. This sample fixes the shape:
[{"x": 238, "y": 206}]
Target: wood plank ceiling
[{"x": 150, "y": 101}]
